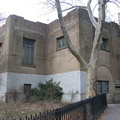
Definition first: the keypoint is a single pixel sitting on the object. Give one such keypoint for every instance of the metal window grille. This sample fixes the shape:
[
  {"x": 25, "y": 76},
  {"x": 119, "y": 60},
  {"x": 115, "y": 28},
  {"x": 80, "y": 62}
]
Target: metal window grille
[
  {"x": 28, "y": 51},
  {"x": 61, "y": 43},
  {"x": 27, "y": 88},
  {"x": 104, "y": 45},
  {"x": 102, "y": 87}
]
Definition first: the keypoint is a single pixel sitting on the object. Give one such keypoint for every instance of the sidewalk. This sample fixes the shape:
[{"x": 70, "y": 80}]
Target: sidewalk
[{"x": 111, "y": 113}]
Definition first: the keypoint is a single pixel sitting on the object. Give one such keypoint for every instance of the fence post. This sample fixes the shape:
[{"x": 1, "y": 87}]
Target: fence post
[
  {"x": 92, "y": 109},
  {"x": 84, "y": 112},
  {"x": 58, "y": 114},
  {"x": 105, "y": 100}
]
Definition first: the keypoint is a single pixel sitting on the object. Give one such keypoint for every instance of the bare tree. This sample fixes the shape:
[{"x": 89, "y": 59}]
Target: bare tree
[
  {"x": 2, "y": 19},
  {"x": 3, "y": 60},
  {"x": 91, "y": 66}
]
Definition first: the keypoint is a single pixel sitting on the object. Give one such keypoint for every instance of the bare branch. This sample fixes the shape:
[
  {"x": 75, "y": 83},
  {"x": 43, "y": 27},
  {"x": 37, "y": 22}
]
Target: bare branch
[
  {"x": 67, "y": 3},
  {"x": 117, "y": 3},
  {"x": 73, "y": 7},
  {"x": 2, "y": 19},
  {"x": 71, "y": 47},
  {"x": 50, "y": 4},
  {"x": 95, "y": 7},
  {"x": 111, "y": 15},
  {"x": 98, "y": 31},
  {"x": 101, "y": 17},
  {"x": 94, "y": 22}
]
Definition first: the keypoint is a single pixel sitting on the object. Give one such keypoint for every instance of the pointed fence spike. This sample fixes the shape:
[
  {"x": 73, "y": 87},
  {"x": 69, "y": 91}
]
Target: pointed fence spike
[{"x": 31, "y": 116}]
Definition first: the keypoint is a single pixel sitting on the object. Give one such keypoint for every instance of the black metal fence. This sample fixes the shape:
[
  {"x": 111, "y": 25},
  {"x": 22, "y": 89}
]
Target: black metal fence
[{"x": 88, "y": 109}]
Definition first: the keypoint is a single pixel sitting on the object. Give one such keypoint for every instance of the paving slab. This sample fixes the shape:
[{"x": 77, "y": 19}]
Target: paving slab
[{"x": 111, "y": 113}]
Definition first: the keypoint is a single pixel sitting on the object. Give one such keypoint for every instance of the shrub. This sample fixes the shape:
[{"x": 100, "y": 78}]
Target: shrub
[
  {"x": 49, "y": 91},
  {"x": 13, "y": 95}
]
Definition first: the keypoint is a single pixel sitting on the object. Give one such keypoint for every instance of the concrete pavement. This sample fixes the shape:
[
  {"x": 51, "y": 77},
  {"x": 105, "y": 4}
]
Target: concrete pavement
[{"x": 111, "y": 113}]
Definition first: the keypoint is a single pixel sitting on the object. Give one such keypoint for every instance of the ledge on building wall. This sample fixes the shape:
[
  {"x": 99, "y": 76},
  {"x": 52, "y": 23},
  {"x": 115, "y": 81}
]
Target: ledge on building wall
[
  {"x": 105, "y": 50},
  {"x": 117, "y": 85},
  {"x": 25, "y": 65}
]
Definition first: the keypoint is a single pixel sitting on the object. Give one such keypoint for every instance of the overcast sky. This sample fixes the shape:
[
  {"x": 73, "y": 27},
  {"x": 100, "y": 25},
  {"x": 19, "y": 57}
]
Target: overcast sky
[{"x": 32, "y": 10}]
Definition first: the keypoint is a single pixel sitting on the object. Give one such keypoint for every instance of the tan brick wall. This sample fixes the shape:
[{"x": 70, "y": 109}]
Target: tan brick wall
[
  {"x": 22, "y": 28},
  {"x": 60, "y": 61}
]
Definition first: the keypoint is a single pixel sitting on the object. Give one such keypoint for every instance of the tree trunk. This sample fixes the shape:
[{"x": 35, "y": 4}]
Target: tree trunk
[
  {"x": 91, "y": 82},
  {"x": 92, "y": 73},
  {"x": 91, "y": 68}
]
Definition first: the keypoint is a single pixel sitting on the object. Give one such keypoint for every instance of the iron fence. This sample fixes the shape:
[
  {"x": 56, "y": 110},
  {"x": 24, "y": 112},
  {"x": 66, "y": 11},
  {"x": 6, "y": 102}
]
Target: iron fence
[{"x": 88, "y": 109}]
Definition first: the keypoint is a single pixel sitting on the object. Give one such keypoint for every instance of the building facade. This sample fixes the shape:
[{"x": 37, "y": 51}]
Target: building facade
[{"x": 33, "y": 52}]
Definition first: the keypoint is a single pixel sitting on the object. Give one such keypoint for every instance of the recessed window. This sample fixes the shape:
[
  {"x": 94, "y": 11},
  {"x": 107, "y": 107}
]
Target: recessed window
[
  {"x": 28, "y": 51},
  {"x": 0, "y": 49},
  {"x": 61, "y": 43},
  {"x": 104, "y": 44},
  {"x": 27, "y": 88},
  {"x": 102, "y": 87}
]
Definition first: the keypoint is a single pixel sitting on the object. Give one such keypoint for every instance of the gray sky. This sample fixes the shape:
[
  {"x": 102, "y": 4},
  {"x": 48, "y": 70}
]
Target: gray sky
[{"x": 32, "y": 10}]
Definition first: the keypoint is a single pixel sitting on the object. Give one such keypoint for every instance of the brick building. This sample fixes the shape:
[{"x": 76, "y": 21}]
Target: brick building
[{"x": 33, "y": 52}]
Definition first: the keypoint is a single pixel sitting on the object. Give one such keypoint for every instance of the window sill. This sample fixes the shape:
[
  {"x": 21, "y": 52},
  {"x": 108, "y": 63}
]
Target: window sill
[
  {"x": 105, "y": 50},
  {"x": 58, "y": 49},
  {"x": 25, "y": 65}
]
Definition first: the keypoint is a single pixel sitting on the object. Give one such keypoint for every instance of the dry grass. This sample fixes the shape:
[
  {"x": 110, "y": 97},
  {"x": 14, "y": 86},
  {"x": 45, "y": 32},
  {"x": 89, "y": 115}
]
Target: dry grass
[{"x": 8, "y": 111}]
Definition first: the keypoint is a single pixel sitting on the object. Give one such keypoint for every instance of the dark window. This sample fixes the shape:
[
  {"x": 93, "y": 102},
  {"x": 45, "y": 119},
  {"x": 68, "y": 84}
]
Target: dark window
[
  {"x": 27, "y": 88},
  {"x": 104, "y": 44},
  {"x": 61, "y": 43},
  {"x": 102, "y": 87},
  {"x": 28, "y": 51},
  {"x": 0, "y": 49}
]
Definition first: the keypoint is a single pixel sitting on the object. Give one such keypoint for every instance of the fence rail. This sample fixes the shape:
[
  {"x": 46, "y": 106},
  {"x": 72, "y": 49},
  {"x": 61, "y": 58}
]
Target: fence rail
[{"x": 88, "y": 109}]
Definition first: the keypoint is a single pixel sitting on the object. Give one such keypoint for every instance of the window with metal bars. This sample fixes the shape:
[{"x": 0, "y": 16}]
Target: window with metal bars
[
  {"x": 27, "y": 88},
  {"x": 61, "y": 43},
  {"x": 104, "y": 45},
  {"x": 28, "y": 51},
  {"x": 102, "y": 87}
]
